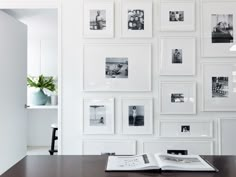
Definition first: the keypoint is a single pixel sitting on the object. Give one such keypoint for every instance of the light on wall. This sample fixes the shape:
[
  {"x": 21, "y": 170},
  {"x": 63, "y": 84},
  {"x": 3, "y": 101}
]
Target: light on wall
[{"x": 233, "y": 48}]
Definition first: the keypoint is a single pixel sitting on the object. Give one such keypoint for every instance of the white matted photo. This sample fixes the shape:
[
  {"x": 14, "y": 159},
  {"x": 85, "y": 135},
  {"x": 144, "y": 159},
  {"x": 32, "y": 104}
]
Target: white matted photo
[
  {"x": 117, "y": 67},
  {"x": 219, "y": 86},
  {"x": 177, "y": 15},
  {"x": 98, "y": 19},
  {"x": 137, "y": 115},
  {"x": 136, "y": 18},
  {"x": 177, "y": 97},
  {"x": 98, "y": 115},
  {"x": 177, "y": 56},
  {"x": 218, "y": 28}
]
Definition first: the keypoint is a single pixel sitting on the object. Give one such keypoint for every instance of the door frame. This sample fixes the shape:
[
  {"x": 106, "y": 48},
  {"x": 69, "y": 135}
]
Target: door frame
[{"x": 47, "y": 5}]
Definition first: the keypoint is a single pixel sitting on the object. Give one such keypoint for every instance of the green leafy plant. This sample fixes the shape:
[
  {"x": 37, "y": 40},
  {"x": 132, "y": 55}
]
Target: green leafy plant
[{"x": 41, "y": 82}]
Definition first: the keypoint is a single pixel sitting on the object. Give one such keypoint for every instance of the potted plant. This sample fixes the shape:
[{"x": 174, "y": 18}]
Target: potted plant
[{"x": 41, "y": 84}]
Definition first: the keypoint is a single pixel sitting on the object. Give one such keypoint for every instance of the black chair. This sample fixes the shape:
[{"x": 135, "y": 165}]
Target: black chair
[{"x": 54, "y": 138}]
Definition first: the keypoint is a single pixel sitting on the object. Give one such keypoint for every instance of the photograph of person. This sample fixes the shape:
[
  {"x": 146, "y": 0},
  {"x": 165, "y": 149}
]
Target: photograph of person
[
  {"x": 176, "y": 16},
  {"x": 177, "y": 98},
  {"x": 220, "y": 87},
  {"x": 177, "y": 57},
  {"x": 136, "y": 19},
  {"x": 136, "y": 115},
  {"x": 97, "y": 19},
  {"x": 185, "y": 128},
  {"x": 97, "y": 115},
  {"x": 116, "y": 68}
]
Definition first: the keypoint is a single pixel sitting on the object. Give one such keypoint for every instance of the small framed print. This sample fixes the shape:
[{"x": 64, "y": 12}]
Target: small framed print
[
  {"x": 117, "y": 67},
  {"x": 218, "y": 28},
  {"x": 98, "y": 116},
  {"x": 177, "y": 56},
  {"x": 137, "y": 115},
  {"x": 98, "y": 19},
  {"x": 177, "y": 97},
  {"x": 219, "y": 86},
  {"x": 136, "y": 18},
  {"x": 177, "y": 15}
]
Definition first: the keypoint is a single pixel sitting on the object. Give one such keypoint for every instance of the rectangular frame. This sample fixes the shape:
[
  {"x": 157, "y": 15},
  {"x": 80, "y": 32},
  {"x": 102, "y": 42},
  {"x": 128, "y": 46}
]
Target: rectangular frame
[
  {"x": 140, "y": 30},
  {"x": 176, "y": 128},
  {"x": 223, "y": 98},
  {"x": 217, "y": 49},
  {"x": 185, "y": 6},
  {"x": 186, "y": 46},
  {"x": 102, "y": 125},
  {"x": 179, "y": 105},
  {"x": 97, "y": 76},
  {"x": 143, "y": 109}
]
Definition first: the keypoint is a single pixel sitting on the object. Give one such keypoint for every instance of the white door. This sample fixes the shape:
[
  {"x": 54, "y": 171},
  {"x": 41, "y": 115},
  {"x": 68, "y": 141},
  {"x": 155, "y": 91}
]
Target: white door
[{"x": 13, "y": 73}]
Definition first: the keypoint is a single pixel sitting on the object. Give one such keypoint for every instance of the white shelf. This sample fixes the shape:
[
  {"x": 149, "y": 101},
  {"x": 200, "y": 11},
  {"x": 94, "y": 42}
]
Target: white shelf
[{"x": 42, "y": 107}]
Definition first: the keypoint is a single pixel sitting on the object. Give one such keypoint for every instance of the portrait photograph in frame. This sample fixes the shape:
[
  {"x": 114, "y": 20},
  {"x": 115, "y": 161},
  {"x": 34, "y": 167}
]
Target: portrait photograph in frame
[
  {"x": 219, "y": 85},
  {"x": 218, "y": 31},
  {"x": 117, "y": 67},
  {"x": 177, "y": 97},
  {"x": 137, "y": 115},
  {"x": 177, "y": 55},
  {"x": 98, "y": 19},
  {"x": 98, "y": 115},
  {"x": 136, "y": 19},
  {"x": 177, "y": 15}
]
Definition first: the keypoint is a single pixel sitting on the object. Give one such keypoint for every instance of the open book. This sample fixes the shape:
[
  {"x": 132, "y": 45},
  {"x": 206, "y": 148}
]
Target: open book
[{"x": 163, "y": 162}]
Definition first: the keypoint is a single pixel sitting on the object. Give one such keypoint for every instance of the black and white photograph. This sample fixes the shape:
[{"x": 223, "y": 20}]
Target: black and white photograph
[
  {"x": 222, "y": 28},
  {"x": 136, "y": 115},
  {"x": 97, "y": 115},
  {"x": 177, "y": 57},
  {"x": 116, "y": 68},
  {"x": 135, "y": 19},
  {"x": 97, "y": 19},
  {"x": 185, "y": 128},
  {"x": 177, "y": 98},
  {"x": 220, "y": 87},
  {"x": 176, "y": 16}
]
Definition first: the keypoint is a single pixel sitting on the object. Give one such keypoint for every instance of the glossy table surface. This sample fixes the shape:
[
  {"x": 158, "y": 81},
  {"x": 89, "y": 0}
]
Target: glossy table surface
[{"x": 94, "y": 166}]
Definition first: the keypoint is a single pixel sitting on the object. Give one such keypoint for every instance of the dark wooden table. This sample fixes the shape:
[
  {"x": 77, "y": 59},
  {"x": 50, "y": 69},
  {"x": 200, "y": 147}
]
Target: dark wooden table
[{"x": 94, "y": 166}]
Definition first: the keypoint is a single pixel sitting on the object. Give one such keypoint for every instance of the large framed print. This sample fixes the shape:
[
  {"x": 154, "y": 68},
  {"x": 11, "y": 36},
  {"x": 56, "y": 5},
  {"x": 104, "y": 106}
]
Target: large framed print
[
  {"x": 137, "y": 115},
  {"x": 177, "y": 56},
  {"x": 98, "y": 115},
  {"x": 177, "y": 97},
  {"x": 218, "y": 28},
  {"x": 98, "y": 19},
  {"x": 136, "y": 18},
  {"x": 177, "y": 15},
  {"x": 117, "y": 67},
  {"x": 219, "y": 83}
]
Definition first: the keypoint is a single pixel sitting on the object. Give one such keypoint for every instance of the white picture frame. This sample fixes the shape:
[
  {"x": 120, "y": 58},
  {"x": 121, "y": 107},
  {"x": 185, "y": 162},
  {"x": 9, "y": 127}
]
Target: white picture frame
[
  {"x": 137, "y": 115},
  {"x": 185, "y": 128},
  {"x": 177, "y": 55},
  {"x": 117, "y": 67},
  {"x": 215, "y": 43},
  {"x": 177, "y": 97},
  {"x": 136, "y": 19},
  {"x": 98, "y": 19},
  {"x": 177, "y": 15},
  {"x": 98, "y": 115},
  {"x": 219, "y": 86}
]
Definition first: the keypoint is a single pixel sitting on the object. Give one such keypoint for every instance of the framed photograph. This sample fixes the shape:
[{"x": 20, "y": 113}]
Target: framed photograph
[
  {"x": 137, "y": 115},
  {"x": 177, "y": 97},
  {"x": 186, "y": 128},
  {"x": 177, "y": 15},
  {"x": 219, "y": 83},
  {"x": 218, "y": 28},
  {"x": 98, "y": 116},
  {"x": 177, "y": 56},
  {"x": 117, "y": 67},
  {"x": 136, "y": 18},
  {"x": 98, "y": 19}
]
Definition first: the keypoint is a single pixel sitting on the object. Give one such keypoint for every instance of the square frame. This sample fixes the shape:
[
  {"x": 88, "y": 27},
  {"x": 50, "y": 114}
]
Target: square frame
[
  {"x": 222, "y": 96},
  {"x": 140, "y": 30},
  {"x": 138, "y": 67},
  {"x": 187, "y": 23},
  {"x": 187, "y": 45},
  {"x": 104, "y": 125},
  {"x": 217, "y": 49},
  {"x": 108, "y": 7},
  {"x": 178, "y": 102},
  {"x": 141, "y": 118}
]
